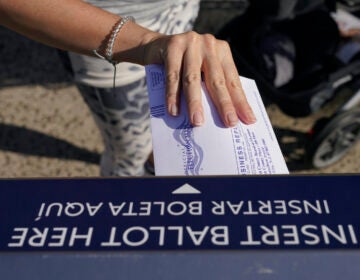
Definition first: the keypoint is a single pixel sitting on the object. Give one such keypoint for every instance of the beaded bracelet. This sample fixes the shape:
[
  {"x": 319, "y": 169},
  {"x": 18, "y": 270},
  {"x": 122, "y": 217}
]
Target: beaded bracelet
[{"x": 110, "y": 43}]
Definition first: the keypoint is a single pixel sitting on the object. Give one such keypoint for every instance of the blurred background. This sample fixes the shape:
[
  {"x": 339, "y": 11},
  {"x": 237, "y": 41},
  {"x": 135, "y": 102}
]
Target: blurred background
[{"x": 46, "y": 129}]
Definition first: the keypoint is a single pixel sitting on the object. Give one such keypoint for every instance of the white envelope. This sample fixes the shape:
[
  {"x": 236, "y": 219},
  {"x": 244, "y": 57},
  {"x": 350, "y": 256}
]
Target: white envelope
[{"x": 181, "y": 149}]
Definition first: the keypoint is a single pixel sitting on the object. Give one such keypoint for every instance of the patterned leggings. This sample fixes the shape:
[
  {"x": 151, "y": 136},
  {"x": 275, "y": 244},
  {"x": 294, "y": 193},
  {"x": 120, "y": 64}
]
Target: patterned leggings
[{"x": 122, "y": 115}]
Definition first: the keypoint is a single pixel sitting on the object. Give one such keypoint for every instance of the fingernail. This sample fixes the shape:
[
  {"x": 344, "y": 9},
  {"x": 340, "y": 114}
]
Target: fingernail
[
  {"x": 251, "y": 117},
  {"x": 197, "y": 118},
  {"x": 232, "y": 119},
  {"x": 174, "y": 110}
]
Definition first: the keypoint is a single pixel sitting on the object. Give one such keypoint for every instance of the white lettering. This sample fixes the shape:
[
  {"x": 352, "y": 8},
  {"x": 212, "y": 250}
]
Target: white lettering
[
  {"x": 74, "y": 209},
  {"x": 116, "y": 209},
  {"x": 218, "y": 208},
  {"x": 38, "y": 239},
  {"x": 201, "y": 234},
  {"x": 162, "y": 207},
  {"x": 161, "y": 234},
  {"x": 145, "y": 209},
  {"x": 250, "y": 210},
  {"x": 293, "y": 235},
  {"x": 220, "y": 235},
  {"x": 250, "y": 238},
  {"x": 265, "y": 207},
  {"x": 315, "y": 239},
  {"x": 352, "y": 234},
  {"x": 93, "y": 209},
  {"x": 294, "y": 205},
  {"x": 111, "y": 242},
  {"x": 59, "y": 237},
  {"x": 340, "y": 236},
  {"x": 270, "y": 236},
  {"x": 315, "y": 207},
  {"x": 269, "y": 207},
  {"x": 138, "y": 231},
  {"x": 180, "y": 234},
  {"x": 21, "y": 237},
  {"x": 180, "y": 206},
  {"x": 280, "y": 207},
  {"x": 75, "y": 236},
  {"x": 195, "y": 208}
]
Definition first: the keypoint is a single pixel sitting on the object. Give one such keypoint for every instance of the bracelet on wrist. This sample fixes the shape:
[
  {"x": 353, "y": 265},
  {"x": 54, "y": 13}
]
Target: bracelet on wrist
[{"x": 109, "y": 46}]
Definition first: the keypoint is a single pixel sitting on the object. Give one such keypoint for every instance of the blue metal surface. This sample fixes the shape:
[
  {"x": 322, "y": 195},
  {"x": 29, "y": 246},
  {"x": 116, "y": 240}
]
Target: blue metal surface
[{"x": 272, "y": 227}]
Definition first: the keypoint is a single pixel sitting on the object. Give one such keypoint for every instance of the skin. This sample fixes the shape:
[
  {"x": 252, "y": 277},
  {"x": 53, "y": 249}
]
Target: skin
[{"x": 76, "y": 26}]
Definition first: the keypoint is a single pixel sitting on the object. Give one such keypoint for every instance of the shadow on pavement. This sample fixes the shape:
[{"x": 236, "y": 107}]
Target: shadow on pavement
[
  {"x": 293, "y": 146},
  {"x": 25, "y": 62},
  {"x": 29, "y": 142}
]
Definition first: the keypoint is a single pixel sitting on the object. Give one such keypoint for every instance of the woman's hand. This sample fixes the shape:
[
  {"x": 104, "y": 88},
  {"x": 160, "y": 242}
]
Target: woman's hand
[{"x": 187, "y": 57}]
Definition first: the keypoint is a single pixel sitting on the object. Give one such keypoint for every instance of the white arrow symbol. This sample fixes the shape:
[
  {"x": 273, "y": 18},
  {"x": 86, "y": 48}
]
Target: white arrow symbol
[{"x": 186, "y": 189}]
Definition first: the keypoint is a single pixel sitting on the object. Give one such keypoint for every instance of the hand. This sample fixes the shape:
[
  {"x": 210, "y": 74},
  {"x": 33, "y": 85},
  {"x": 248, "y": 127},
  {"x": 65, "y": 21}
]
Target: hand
[
  {"x": 348, "y": 33},
  {"x": 186, "y": 57}
]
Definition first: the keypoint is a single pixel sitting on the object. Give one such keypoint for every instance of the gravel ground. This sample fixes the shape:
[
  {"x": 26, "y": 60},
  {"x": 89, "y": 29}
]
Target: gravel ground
[{"x": 46, "y": 129}]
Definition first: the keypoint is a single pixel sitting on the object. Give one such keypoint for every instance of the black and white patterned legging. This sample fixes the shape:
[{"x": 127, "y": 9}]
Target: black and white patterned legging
[{"x": 122, "y": 115}]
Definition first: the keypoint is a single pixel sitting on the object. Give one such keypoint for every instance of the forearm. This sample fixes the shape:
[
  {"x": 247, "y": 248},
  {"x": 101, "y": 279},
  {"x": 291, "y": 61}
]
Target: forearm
[
  {"x": 76, "y": 26},
  {"x": 72, "y": 25}
]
